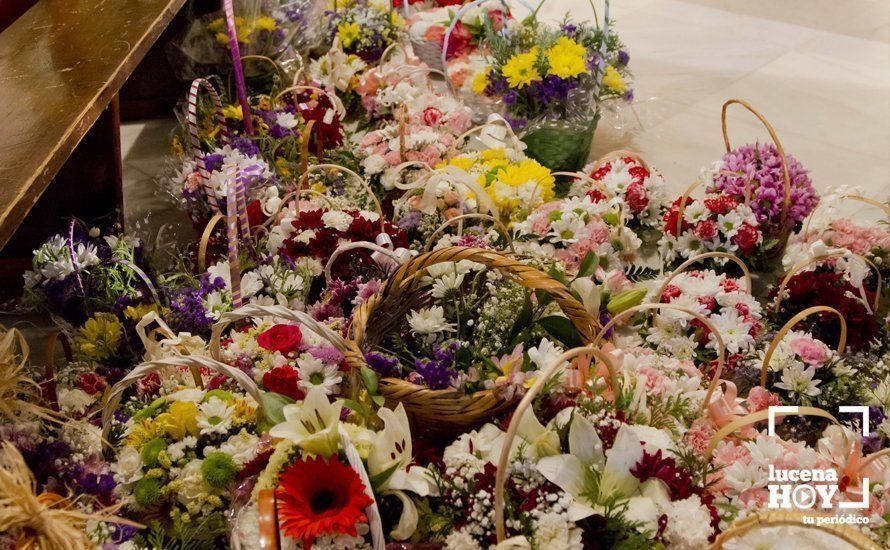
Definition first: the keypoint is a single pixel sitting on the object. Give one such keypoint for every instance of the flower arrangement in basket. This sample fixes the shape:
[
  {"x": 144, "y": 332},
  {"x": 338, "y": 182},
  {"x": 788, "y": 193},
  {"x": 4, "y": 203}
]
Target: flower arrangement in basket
[
  {"x": 552, "y": 82},
  {"x": 332, "y": 483},
  {"x": 455, "y": 344},
  {"x": 398, "y": 78},
  {"x": 179, "y": 453},
  {"x": 775, "y": 185},
  {"x": 365, "y": 28},
  {"x": 639, "y": 189}
]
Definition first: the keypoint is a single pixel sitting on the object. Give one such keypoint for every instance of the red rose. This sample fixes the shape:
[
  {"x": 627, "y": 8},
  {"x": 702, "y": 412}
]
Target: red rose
[
  {"x": 283, "y": 338},
  {"x": 431, "y": 116},
  {"x": 284, "y": 380},
  {"x": 636, "y": 197},
  {"x": 91, "y": 383},
  {"x": 706, "y": 229},
  {"x": 747, "y": 238}
]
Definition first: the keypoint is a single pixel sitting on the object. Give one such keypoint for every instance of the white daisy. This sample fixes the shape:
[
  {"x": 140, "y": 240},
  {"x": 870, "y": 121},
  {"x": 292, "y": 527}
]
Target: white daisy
[
  {"x": 215, "y": 416},
  {"x": 734, "y": 331},
  {"x": 446, "y": 284},
  {"x": 799, "y": 381},
  {"x": 315, "y": 373},
  {"x": 429, "y": 321}
]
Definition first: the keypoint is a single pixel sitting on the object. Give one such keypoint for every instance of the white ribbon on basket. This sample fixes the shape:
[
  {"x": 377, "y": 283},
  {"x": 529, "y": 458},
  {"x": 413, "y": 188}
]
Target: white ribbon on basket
[
  {"x": 451, "y": 175},
  {"x": 494, "y": 134}
]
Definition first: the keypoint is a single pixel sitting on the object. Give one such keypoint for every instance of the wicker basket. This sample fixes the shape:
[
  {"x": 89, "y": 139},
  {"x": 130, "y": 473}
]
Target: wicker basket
[
  {"x": 445, "y": 411},
  {"x": 776, "y": 518}
]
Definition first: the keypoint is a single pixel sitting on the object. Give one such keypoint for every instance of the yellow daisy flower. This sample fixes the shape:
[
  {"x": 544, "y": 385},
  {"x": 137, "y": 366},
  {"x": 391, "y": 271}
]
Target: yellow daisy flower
[
  {"x": 99, "y": 337},
  {"x": 566, "y": 58},
  {"x": 480, "y": 81},
  {"x": 136, "y": 313},
  {"x": 265, "y": 23},
  {"x": 614, "y": 81},
  {"x": 180, "y": 420},
  {"x": 520, "y": 70},
  {"x": 233, "y": 111},
  {"x": 348, "y": 33}
]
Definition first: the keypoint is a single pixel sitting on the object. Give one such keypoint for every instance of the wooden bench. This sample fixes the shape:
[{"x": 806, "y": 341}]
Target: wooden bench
[{"x": 62, "y": 64}]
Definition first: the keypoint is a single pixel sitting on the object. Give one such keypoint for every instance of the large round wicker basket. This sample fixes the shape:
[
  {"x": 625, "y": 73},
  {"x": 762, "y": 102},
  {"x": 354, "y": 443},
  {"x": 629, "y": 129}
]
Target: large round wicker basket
[{"x": 445, "y": 411}]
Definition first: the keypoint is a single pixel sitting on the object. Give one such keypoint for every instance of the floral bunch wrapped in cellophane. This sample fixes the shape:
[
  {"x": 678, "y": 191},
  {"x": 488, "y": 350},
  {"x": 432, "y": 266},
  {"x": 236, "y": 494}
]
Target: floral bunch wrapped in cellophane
[
  {"x": 551, "y": 82},
  {"x": 335, "y": 483},
  {"x": 364, "y": 27}
]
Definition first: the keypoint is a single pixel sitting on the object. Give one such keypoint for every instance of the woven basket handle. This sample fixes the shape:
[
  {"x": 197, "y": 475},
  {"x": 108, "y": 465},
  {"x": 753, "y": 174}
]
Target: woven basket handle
[
  {"x": 760, "y": 416},
  {"x": 681, "y": 207},
  {"x": 473, "y": 215},
  {"x": 252, "y": 311},
  {"x": 428, "y": 184},
  {"x": 404, "y": 279},
  {"x": 786, "y": 203},
  {"x": 193, "y": 362},
  {"x": 205, "y": 241},
  {"x": 48, "y": 387},
  {"x": 275, "y": 65},
  {"x": 852, "y": 197},
  {"x": 422, "y": 70},
  {"x": 527, "y": 400},
  {"x": 764, "y": 369},
  {"x": 399, "y": 45},
  {"x": 721, "y": 348},
  {"x": 336, "y": 102},
  {"x": 192, "y": 116},
  {"x": 793, "y": 518},
  {"x": 362, "y": 181},
  {"x": 586, "y": 177},
  {"x": 691, "y": 261},
  {"x": 815, "y": 260}
]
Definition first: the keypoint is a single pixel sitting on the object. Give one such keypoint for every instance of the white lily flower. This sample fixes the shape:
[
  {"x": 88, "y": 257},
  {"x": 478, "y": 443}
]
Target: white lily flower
[
  {"x": 312, "y": 424},
  {"x": 589, "y": 292}
]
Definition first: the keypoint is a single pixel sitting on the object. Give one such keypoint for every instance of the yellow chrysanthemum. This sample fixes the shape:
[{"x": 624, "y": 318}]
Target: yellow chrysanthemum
[
  {"x": 245, "y": 412},
  {"x": 233, "y": 111},
  {"x": 264, "y": 23},
  {"x": 142, "y": 433},
  {"x": 396, "y": 19},
  {"x": 180, "y": 420},
  {"x": 217, "y": 25},
  {"x": 614, "y": 81},
  {"x": 283, "y": 166},
  {"x": 136, "y": 313},
  {"x": 348, "y": 33},
  {"x": 99, "y": 337},
  {"x": 464, "y": 163},
  {"x": 520, "y": 70},
  {"x": 520, "y": 187},
  {"x": 480, "y": 81},
  {"x": 498, "y": 153},
  {"x": 222, "y": 37},
  {"x": 566, "y": 58},
  {"x": 176, "y": 147}
]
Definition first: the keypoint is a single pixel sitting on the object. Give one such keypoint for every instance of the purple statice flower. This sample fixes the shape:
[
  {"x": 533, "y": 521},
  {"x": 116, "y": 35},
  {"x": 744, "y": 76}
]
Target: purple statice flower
[
  {"x": 594, "y": 62},
  {"x": 552, "y": 89},
  {"x": 436, "y": 375},
  {"x": 518, "y": 124},
  {"x": 623, "y": 58},
  {"x": 247, "y": 146},
  {"x": 509, "y": 97},
  {"x": 214, "y": 161},
  {"x": 445, "y": 352},
  {"x": 757, "y": 169},
  {"x": 383, "y": 364},
  {"x": 187, "y": 313},
  {"x": 497, "y": 84},
  {"x": 122, "y": 533},
  {"x": 569, "y": 29},
  {"x": 629, "y": 94}
]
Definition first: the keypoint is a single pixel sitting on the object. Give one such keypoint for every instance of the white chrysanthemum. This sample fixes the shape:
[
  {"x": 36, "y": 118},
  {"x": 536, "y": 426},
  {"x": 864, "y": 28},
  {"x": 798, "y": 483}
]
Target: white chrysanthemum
[
  {"x": 242, "y": 447},
  {"x": 799, "y": 381},
  {"x": 315, "y": 373},
  {"x": 336, "y": 219},
  {"x": 128, "y": 468},
  {"x": 215, "y": 416},
  {"x": 191, "y": 486},
  {"x": 733, "y": 330},
  {"x": 459, "y": 540},
  {"x": 429, "y": 321},
  {"x": 74, "y": 400},
  {"x": 286, "y": 120},
  {"x": 556, "y": 532}
]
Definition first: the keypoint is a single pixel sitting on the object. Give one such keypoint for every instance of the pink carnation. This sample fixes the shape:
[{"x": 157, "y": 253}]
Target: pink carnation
[
  {"x": 541, "y": 217},
  {"x": 813, "y": 352},
  {"x": 760, "y": 399},
  {"x": 859, "y": 239},
  {"x": 699, "y": 435}
]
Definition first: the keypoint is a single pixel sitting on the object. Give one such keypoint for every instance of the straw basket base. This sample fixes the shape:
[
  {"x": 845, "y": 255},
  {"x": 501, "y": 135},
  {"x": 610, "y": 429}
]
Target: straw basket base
[
  {"x": 441, "y": 412},
  {"x": 428, "y": 52},
  {"x": 560, "y": 146}
]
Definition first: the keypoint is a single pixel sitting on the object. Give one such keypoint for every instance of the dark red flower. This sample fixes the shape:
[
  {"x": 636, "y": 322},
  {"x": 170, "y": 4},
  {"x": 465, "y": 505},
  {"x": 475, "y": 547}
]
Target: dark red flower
[
  {"x": 670, "y": 292},
  {"x": 636, "y": 197},
  {"x": 148, "y": 385},
  {"x": 671, "y": 217},
  {"x": 720, "y": 204},
  {"x": 282, "y": 338},
  {"x": 677, "y": 479},
  {"x": 705, "y": 229},
  {"x": 637, "y": 172},
  {"x": 747, "y": 238},
  {"x": 284, "y": 380},
  {"x": 255, "y": 214},
  {"x": 91, "y": 383},
  {"x": 318, "y": 497},
  {"x": 460, "y": 41}
]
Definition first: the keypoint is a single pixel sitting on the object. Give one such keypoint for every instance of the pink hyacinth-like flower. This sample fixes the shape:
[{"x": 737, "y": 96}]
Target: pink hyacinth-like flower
[{"x": 757, "y": 169}]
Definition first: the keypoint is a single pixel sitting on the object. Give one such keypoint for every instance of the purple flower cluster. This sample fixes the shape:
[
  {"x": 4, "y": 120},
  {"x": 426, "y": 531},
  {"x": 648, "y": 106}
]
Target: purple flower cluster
[
  {"x": 187, "y": 313},
  {"x": 383, "y": 364},
  {"x": 247, "y": 146},
  {"x": 438, "y": 373},
  {"x": 757, "y": 169},
  {"x": 552, "y": 90}
]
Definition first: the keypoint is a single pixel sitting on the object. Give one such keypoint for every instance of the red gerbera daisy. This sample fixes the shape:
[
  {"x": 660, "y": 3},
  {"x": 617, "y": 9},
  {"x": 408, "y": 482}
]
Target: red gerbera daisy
[{"x": 317, "y": 497}]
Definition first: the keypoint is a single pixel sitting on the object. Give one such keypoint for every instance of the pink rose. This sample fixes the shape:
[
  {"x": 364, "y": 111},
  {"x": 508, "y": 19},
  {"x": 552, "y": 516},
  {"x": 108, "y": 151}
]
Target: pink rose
[{"x": 813, "y": 352}]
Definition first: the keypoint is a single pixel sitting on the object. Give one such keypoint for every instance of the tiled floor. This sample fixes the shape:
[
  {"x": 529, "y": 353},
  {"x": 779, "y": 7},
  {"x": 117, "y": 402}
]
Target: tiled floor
[{"x": 819, "y": 70}]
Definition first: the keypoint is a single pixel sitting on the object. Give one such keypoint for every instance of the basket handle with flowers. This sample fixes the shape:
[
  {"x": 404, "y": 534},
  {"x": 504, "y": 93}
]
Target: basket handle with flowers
[
  {"x": 746, "y": 273},
  {"x": 362, "y": 182},
  {"x": 833, "y": 254},
  {"x": 721, "y": 348},
  {"x": 496, "y": 128},
  {"x": 194, "y": 363},
  {"x": 428, "y": 185},
  {"x": 195, "y": 136},
  {"x": 618, "y": 154},
  {"x": 431, "y": 241},
  {"x": 526, "y": 402},
  {"x": 786, "y": 174},
  {"x": 443, "y": 409},
  {"x": 777, "y": 339},
  {"x": 852, "y": 197},
  {"x": 792, "y": 518}
]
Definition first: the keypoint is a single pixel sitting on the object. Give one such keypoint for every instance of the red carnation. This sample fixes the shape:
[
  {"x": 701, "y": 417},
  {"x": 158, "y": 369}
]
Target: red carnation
[
  {"x": 431, "y": 116},
  {"x": 705, "y": 229},
  {"x": 595, "y": 194},
  {"x": 730, "y": 285},
  {"x": 636, "y": 197},
  {"x": 638, "y": 173},
  {"x": 602, "y": 172},
  {"x": 283, "y": 338},
  {"x": 670, "y": 292},
  {"x": 720, "y": 204},
  {"x": 148, "y": 385},
  {"x": 284, "y": 380},
  {"x": 255, "y": 214},
  {"x": 671, "y": 217},
  {"x": 747, "y": 238},
  {"x": 91, "y": 383}
]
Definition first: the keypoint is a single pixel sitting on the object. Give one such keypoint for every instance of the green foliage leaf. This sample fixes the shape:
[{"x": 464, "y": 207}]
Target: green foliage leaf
[
  {"x": 588, "y": 265},
  {"x": 561, "y": 329},
  {"x": 370, "y": 379}
]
